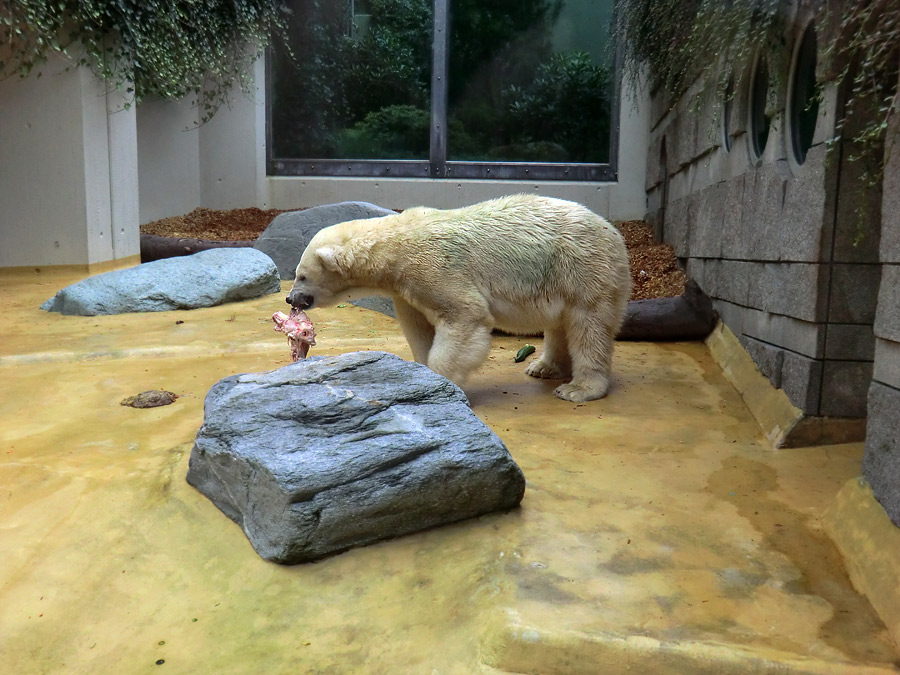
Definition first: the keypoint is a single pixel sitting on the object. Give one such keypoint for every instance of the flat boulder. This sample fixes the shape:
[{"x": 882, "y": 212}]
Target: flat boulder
[
  {"x": 288, "y": 235},
  {"x": 335, "y": 452},
  {"x": 204, "y": 279}
]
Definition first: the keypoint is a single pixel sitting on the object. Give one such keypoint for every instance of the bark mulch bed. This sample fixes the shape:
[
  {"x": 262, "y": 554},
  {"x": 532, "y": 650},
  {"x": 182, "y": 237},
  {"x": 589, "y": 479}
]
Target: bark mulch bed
[{"x": 654, "y": 268}]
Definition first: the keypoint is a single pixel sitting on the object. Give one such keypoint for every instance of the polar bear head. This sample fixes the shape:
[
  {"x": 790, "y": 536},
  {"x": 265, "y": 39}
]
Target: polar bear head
[{"x": 324, "y": 273}]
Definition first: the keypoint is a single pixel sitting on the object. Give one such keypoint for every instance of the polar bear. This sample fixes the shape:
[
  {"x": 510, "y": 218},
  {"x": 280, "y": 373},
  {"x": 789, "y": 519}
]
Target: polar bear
[{"x": 524, "y": 264}]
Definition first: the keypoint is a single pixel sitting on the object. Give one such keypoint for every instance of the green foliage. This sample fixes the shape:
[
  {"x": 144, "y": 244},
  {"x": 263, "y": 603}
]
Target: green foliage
[
  {"x": 393, "y": 132},
  {"x": 360, "y": 87},
  {"x": 566, "y": 104},
  {"x": 165, "y": 48},
  {"x": 868, "y": 53},
  {"x": 677, "y": 40}
]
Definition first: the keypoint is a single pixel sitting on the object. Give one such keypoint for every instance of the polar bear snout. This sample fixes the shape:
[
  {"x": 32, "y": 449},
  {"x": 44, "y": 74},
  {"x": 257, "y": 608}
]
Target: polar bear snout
[{"x": 299, "y": 300}]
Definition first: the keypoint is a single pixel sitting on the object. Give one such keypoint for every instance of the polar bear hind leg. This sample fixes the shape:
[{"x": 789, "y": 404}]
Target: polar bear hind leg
[
  {"x": 591, "y": 340},
  {"x": 554, "y": 362}
]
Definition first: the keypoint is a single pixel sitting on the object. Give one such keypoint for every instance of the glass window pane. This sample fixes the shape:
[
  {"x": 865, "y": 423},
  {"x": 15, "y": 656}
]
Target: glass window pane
[
  {"x": 354, "y": 81},
  {"x": 530, "y": 80}
]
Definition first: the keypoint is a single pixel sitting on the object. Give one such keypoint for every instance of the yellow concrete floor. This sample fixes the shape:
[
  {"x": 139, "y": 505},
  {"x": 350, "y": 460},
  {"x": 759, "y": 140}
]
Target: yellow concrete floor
[{"x": 659, "y": 531}]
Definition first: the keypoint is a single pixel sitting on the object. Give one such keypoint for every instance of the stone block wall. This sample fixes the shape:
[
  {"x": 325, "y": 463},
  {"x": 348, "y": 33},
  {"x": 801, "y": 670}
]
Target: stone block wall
[
  {"x": 781, "y": 248},
  {"x": 881, "y": 462}
]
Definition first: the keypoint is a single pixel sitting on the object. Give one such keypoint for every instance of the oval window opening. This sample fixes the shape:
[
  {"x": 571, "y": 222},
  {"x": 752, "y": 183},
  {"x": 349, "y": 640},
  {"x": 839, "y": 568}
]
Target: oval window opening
[
  {"x": 804, "y": 101},
  {"x": 759, "y": 121},
  {"x": 727, "y": 107}
]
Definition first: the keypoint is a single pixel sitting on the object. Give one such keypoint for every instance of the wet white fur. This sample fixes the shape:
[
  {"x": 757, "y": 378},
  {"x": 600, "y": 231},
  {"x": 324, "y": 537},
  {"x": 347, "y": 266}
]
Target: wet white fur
[{"x": 524, "y": 264}]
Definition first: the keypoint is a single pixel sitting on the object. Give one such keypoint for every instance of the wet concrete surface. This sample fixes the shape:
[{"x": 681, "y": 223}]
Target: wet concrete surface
[{"x": 658, "y": 526}]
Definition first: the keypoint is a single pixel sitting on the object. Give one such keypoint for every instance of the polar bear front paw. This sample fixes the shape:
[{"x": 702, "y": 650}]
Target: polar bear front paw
[
  {"x": 546, "y": 371},
  {"x": 579, "y": 393}
]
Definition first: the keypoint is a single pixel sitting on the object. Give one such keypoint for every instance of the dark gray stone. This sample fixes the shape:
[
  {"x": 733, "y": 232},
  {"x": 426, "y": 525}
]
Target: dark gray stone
[
  {"x": 678, "y": 226},
  {"x": 733, "y": 280},
  {"x": 732, "y": 216},
  {"x": 377, "y": 303},
  {"x": 854, "y": 293},
  {"x": 849, "y": 342},
  {"x": 881, "y": 460},
  {"x": 887, "y": 362},
  {"x": 890, "y": 204},
  {"x": 286, "y": 237},
  {"x": 806, "y": 209},
  {"x": 334, "y": 452},
  {"x": 792, "y": 289},
  {"x": 204, "y": 279},
  {"x": 795, "y": 335},
  {"x": 844, "y": 386},
  {"x": 801, "y": 380},
  {"x": 768, "y": 358},
  {"x": 707, "y": 213},
  {"x": 887, "y": 319}
]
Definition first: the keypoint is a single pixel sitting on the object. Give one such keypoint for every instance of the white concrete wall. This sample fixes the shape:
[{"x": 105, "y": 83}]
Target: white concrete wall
[
  {"x": 622, "y": 200},
  {"x": 57, "y": 146},
  {"x": 218, "y": 165},
  {"x": 233, "y": 152},
  {"x": 168, "y": 159}
]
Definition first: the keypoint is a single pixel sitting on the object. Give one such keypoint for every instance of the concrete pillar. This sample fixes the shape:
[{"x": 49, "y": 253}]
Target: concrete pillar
[{"x": 59, "y": 146}]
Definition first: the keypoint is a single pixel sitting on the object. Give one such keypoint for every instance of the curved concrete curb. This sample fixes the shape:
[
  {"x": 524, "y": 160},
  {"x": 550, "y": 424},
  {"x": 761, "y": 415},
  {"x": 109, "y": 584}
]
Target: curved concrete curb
[
  {"x": 516, "y": 648},
  {"x": 155, "y": 247}
]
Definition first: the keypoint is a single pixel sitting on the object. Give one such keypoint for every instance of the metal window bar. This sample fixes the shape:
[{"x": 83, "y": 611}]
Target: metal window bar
[{"x": 437, "y": 165}]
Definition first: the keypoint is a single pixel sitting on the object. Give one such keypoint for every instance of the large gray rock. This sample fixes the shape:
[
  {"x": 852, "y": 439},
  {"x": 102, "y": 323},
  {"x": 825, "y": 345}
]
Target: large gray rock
[
  {"x": 204, "y": 279},
  {"x": 286, "y": 237},
  {"x": 334, "y": 452}
]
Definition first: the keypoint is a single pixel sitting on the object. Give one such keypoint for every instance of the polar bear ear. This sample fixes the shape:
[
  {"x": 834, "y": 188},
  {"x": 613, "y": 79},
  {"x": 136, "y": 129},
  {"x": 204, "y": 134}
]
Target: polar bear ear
[{"x": 334, "y": 258}]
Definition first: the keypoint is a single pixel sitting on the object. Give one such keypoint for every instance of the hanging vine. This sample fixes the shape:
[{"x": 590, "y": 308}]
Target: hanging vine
[
  {"x": 677, "y": 42},
  {"x": 165, "y": 48}
]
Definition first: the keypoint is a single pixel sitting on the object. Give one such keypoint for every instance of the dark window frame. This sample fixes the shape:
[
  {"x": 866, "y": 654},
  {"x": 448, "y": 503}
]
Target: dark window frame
[{"x": 437, "y": 166}]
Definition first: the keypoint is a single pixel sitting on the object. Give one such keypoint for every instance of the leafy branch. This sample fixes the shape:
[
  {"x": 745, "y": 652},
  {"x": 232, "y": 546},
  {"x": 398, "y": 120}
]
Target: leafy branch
[{"x": 165, "y": 48}]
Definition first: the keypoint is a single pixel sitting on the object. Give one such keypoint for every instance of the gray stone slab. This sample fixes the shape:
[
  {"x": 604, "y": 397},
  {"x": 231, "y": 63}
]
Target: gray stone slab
[
  {"x": 844, "y": 388},
  {"x": 801, "y": 380},
  {"x": 733, "y": 280},
  {"x": 849, "y": 342},
  {"x": 890, "y": 204},
  {"x": 204, "y": 279},
  {"x": 754, "y": 241},
  {"x": 707, "y": 213},
  {"x": 377, "y": 303},
  {"x": 334, "y": 452},
  {"x": 887, "y": 363},
  {"x": 655, "y": 173},
  {"x": 731, "y": 315},
  {"x": 881, "y": 460},
  {"x": 732, "y": 215},
  {"x": 802, "y": 224},
  {"x": 854, "y": 293},
  {"x": 768, "y": 358},
  {"x": 686, "y": 147},
  {"x": 792, "y": 289},
  {"x": 288, "y": 235},
  {"x": 678, "y": 226},
  {"x": 887, "y": 319},
  {"x": 804, "y": 337}
]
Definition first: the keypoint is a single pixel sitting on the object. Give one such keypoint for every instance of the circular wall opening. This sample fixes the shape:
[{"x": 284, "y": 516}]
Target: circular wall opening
[
  {"x": 804, "y": 102},
  {"x": 727, "y": 108},
  {"x": 759, "y": 121}
]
